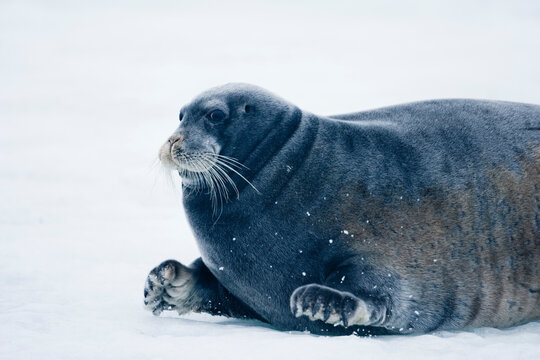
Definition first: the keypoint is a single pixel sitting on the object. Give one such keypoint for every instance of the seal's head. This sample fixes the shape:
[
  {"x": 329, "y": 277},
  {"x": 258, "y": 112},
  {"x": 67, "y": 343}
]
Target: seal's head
[{"x": 217, "y": 133}]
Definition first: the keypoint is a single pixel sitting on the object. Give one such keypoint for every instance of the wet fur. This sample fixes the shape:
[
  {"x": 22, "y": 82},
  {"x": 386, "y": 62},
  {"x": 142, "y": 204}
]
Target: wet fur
[{"x": 430, "y": 211}]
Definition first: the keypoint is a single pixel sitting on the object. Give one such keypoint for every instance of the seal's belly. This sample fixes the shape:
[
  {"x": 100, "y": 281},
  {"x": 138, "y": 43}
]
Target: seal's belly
[{"x": 259, "y": 264}]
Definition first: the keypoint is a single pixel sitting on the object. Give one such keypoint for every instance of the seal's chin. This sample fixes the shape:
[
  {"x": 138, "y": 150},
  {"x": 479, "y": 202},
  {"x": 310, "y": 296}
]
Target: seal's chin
[{"x": 190, "y": 181}]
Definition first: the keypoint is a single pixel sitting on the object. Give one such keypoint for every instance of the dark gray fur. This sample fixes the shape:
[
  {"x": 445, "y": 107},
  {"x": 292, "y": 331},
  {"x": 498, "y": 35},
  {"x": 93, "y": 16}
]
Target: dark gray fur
[{"x": 427, "y": 214}]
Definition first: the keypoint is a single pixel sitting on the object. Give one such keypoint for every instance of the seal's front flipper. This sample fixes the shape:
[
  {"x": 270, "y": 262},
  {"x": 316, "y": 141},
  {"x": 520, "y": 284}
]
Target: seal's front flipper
[
  {"x": 335, "y": 307},
  {"x": 170, "y": 286},
  {"x": 173, "y": 286}
]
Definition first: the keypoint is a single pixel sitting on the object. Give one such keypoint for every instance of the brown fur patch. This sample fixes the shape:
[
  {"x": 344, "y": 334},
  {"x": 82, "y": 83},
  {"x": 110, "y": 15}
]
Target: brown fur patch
[{"x": 474, "y": 250}]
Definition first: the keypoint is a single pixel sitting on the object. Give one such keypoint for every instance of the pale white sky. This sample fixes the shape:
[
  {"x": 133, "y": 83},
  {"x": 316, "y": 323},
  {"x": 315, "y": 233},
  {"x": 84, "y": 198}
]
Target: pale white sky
[{"x": 326, "y": 56}]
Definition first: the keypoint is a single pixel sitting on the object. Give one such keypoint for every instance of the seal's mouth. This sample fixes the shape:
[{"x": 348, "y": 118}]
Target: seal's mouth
[
  {"x": 204, "y": 171},
  {"x": 172, "y": 156},
  {"x": 193, "y": 163}
]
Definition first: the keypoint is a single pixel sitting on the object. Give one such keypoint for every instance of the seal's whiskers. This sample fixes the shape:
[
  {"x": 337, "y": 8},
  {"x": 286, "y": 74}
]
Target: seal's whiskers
[
  {"x": 221, "y": 160},
  {"x": 211, "y": 173}
]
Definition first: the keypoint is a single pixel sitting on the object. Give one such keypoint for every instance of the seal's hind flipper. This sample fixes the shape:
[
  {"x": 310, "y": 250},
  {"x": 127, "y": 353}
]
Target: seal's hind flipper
[{"x": 334, "y": 307}]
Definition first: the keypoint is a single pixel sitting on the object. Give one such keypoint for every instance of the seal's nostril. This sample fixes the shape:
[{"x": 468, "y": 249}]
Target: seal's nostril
[
  {"x": 171, "y": 142},
  {"x": 174, "y": 139}
]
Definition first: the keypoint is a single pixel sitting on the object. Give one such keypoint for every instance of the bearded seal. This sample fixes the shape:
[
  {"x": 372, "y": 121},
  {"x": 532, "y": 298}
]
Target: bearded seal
[{"x": 405, "y": 219}]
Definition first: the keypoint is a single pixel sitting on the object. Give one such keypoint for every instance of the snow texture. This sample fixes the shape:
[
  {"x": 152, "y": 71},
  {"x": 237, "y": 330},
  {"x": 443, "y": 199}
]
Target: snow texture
[{"x": 90, "y": 90}]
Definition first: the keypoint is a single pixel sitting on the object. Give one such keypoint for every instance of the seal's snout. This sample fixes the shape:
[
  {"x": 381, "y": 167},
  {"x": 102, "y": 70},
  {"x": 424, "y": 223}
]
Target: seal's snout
[{"x": 168, "y": 149}]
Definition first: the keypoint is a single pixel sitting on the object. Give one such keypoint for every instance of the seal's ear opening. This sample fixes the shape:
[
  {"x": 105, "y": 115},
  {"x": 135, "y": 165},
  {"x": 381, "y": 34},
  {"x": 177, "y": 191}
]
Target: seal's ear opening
[{"x": 248, "y": 108}]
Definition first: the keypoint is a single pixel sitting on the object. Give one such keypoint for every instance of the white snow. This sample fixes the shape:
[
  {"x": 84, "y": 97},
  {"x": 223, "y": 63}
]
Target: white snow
[{"x": 90, "y": 90}]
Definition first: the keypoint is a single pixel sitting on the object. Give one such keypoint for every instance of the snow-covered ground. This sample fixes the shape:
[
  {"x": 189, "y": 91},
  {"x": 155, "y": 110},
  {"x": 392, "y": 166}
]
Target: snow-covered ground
[{"x": 88, "y": 92}]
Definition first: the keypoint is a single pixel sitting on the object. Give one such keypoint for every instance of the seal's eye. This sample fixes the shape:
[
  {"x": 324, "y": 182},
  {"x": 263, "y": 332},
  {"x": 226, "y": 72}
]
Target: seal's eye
[
  {"x": 181, "y": 116},
  {"x": 216, "y": 115}
]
